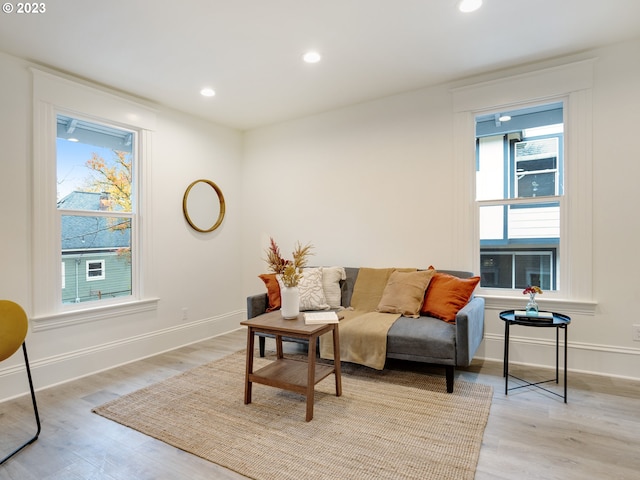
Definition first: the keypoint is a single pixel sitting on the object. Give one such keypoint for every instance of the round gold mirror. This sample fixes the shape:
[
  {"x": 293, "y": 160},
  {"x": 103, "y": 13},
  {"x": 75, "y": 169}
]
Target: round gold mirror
[{"x": 203, "y": 205}]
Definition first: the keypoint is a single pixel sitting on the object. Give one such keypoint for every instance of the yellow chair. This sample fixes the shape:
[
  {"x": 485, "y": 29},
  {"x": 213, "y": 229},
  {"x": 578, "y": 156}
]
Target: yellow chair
[{"x": 13, "y": 331}]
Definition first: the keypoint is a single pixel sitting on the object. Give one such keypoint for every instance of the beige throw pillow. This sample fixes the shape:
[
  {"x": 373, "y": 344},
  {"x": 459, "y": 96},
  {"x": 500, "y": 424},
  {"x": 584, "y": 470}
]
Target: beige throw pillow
[
  {"x": 404, "y": 293},
  {"x": 331, "y": 277}
]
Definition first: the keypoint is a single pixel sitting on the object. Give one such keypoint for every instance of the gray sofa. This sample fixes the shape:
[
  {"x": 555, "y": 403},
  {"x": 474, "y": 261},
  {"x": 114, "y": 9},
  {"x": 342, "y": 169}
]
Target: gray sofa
[{"x": 424, "y": 339}]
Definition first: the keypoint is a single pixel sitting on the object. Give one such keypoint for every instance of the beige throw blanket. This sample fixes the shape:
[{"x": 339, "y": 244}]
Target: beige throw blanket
[
  {"x": 363, "y": 331},
  {"x": 363, "y": 338}
]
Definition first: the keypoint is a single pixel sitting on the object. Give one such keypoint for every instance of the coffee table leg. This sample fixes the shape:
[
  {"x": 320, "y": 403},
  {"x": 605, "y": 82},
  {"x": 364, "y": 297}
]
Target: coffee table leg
[
  {"x": 311, "y": 377},
  {"x": 249, "y": 366},
  {"x": 336, "y": 360}
]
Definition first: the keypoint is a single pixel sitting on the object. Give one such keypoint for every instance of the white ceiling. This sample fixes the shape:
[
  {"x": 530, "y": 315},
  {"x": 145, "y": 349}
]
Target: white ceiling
[{"x": 250, "y": 51}]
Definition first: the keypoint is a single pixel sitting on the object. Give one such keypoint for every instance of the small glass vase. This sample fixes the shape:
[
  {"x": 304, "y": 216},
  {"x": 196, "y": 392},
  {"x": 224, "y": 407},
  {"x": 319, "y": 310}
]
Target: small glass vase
[{"x": 532, "y": 306}]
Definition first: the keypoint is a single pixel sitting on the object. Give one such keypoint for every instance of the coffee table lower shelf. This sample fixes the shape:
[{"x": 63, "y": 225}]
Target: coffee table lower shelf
[{"x": 289, "y": 374}]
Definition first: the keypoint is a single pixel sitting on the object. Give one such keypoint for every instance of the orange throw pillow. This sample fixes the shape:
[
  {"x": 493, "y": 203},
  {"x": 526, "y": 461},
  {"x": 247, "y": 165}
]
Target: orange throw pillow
[
  {"x": 446, "y": 295},
  {"x": 273, "y": 290}
]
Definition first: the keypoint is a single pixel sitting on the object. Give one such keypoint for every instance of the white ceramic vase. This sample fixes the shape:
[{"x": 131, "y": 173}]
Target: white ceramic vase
[{"x": 290, "y": 302}]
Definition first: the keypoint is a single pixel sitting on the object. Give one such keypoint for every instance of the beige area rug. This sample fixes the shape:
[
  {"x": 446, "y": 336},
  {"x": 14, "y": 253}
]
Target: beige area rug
[{"x": 387, "y": 424}]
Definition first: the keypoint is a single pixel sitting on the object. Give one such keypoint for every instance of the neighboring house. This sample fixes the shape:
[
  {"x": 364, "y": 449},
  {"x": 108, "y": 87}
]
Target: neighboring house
[{"x": 95, "y": 254}]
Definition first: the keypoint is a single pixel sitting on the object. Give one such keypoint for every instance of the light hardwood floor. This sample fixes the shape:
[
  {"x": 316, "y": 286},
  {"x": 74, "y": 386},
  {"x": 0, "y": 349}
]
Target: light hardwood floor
[{"x": 530, "y": 434}]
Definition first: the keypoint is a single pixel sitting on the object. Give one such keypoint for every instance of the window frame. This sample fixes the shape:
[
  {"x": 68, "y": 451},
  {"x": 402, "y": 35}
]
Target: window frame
[
  {"x": 572, "y": 84},
  {"x": 53, "y": 95}
]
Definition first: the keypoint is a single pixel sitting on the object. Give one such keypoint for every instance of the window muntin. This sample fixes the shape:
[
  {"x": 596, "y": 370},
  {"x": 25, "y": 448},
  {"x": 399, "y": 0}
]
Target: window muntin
[
  {"x": 96, "y": 206},
  {"x": 519, "y": 188}
]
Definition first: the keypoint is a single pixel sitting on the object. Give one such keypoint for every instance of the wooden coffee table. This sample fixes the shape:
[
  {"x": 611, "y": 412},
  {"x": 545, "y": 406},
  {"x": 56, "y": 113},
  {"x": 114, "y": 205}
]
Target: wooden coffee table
[{"x": 289, "y": 374}]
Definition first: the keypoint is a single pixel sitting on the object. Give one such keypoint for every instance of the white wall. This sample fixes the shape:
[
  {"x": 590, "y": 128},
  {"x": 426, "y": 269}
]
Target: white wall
[
  {"x": 372, "y": 185},
  {"x": 366, "y": 185},
  {"x": 193, "y": 270}
]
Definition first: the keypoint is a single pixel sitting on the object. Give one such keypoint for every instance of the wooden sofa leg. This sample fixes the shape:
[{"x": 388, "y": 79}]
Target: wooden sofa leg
[
  {"x": 450, "y": 369},
  {"x": 261, "y": 342}
]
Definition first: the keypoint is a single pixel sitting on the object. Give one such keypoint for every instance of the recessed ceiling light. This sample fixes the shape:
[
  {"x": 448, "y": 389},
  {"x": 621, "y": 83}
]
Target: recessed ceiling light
[
  {"x": 311, "y": 57},
  {"x": 72, "y": 139},
  {"x": 207, "y": 92},
  {"x": 467, "y": 6}
]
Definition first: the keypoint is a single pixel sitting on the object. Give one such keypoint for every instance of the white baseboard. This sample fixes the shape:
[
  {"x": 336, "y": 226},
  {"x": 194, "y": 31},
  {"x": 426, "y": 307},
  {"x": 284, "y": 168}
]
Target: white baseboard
[
  {"x": 593, "y": 359},
  {"x": 55, "y": 370},
  {"x": 619, "y": 362}
]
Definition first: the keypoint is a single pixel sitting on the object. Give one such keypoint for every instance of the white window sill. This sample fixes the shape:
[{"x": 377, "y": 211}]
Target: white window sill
[
  {"x": 558, "y": 305},
  {"x": 90, "y": 314}
]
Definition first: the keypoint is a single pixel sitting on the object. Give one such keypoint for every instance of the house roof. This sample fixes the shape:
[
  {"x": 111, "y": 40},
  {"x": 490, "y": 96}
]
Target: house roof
[{"x": 92, "y": 232}]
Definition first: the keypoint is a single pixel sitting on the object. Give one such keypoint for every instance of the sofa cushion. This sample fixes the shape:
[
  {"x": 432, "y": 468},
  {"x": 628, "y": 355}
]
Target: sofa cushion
[
  {"x": 424, "y": 339},
  {"x": 348, "y": 285},
  {"x": 273, "y": 290},
  {"x": 446, "y": 295},
  {"x": 404, "y": 292}
]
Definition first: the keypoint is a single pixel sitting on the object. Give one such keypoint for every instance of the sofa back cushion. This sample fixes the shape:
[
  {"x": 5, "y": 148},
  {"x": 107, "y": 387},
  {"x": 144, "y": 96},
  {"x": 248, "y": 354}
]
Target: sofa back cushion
[{"x": 347, "y": 285}]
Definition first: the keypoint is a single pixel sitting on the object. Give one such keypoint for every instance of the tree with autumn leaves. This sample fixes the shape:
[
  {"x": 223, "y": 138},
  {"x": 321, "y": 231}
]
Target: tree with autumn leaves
[{"x": 114, "y": 181}]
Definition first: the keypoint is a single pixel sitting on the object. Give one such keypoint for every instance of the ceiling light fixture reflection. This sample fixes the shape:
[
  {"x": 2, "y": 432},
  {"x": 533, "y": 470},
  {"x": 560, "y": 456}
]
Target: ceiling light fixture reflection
[
  {"x": 467, "y": 6},
  {"x": 207, "y": 92},
  {"x": 311, "y": 57}
]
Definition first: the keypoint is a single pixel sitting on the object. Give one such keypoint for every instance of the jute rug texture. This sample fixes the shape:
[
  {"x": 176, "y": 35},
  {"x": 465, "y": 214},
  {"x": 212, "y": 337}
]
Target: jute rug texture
[{"x": 387, "y": 424}]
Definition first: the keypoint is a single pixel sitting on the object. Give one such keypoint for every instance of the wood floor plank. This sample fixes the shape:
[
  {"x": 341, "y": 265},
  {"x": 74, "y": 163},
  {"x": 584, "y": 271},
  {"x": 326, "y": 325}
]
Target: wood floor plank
[{"x": 530, "y": 434}]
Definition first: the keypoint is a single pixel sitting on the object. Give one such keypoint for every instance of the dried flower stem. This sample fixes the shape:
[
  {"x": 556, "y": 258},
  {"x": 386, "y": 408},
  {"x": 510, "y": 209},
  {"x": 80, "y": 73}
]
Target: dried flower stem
[{"x": 290, "y": 271}]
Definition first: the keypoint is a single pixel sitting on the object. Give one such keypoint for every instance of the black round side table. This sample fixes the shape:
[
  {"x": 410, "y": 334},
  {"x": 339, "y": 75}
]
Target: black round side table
[{"x": 559, "y": 322}]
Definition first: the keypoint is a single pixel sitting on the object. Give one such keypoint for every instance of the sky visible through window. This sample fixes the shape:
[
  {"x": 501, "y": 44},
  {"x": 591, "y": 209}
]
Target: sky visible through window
[{"x": 72, "y": 172}]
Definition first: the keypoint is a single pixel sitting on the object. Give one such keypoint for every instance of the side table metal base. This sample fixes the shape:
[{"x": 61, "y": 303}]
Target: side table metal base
[{"x": 559, "y": 322}]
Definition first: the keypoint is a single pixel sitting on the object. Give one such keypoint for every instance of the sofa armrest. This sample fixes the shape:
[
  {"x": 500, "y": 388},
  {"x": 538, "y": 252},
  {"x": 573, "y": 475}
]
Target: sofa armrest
[
  {"x": 257, "y": 305},
  {"x": 469, "y": 331}
]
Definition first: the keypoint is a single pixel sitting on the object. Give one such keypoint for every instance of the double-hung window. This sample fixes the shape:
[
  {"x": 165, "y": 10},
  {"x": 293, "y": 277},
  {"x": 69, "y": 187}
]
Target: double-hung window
[
  {"x": 90, "y": 184},
  {"x": 523, "y": 190},
  {"x": 519, "y": 190}
]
